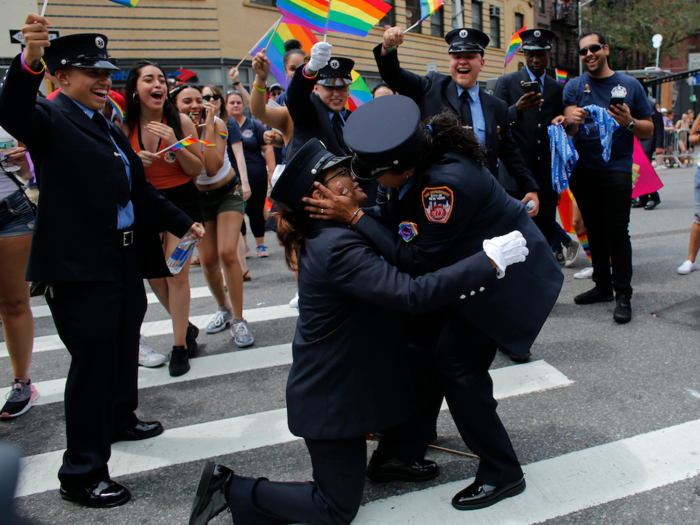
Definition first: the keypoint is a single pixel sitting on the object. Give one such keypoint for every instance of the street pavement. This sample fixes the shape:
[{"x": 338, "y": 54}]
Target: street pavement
[{"x": 606, "y": 419}]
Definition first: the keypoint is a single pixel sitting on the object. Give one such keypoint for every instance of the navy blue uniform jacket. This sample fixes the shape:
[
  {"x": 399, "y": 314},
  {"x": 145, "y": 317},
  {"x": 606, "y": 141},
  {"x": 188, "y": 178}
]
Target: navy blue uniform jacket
[
  {"x": 511, "y": 310},
  {"x": 77, "y": 167},
  {"x": 529, "y": 128},
  {"x": 347, "y": 377},
  {"x": 435, "y": 92}
]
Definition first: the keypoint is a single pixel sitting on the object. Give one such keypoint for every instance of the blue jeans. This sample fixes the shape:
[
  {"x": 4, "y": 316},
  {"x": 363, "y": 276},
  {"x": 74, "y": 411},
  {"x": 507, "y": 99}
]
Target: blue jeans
[
  {"x": 560, "y": 238},
  {"x": 16, "y": 217}
]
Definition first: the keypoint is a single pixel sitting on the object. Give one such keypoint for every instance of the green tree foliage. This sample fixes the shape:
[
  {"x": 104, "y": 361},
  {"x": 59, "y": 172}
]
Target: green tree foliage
[{"x": 629, "y": 25}]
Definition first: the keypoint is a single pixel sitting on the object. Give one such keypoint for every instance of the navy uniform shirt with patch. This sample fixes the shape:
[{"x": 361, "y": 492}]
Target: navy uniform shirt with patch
[
  {"x": 252, "y": 132},
  {"x": 583, "y": 91}
]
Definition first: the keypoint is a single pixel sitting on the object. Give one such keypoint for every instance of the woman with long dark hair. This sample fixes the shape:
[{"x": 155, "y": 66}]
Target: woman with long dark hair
[
  {"x": 153, "y": 123},
  {"x": 222, "y": 206}
]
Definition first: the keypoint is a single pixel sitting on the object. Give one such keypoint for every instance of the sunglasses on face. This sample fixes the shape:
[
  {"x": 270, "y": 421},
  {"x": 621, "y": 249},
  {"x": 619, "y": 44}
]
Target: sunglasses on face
[
  {"x": 209, "y": 97},
  {"x": 342, "y": 173},
  {"x": 594, "y": 48}
]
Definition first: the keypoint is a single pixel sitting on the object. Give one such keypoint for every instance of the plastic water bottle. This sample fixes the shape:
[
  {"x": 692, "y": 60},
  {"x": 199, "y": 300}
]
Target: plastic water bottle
[
  {"x": 181, "y": 254},
  {"x": 7, "y": 142},
  {"x": 530, "y": 205}
]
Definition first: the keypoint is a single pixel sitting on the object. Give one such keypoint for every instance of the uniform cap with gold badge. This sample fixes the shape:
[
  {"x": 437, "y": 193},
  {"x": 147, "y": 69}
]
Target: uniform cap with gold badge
[
  {"x": 337, "y": 73},
  {"x": 537, "y": 39},
  {"x": 383, "y": 133},
  {"x": 84, "y": 50},
  {"x": 467, "y": 40}
]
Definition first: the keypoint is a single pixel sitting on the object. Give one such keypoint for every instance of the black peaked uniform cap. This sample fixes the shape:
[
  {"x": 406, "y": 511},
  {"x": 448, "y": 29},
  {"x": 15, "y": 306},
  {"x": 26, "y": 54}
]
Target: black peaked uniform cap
[
  {"x": 467, "y": 40},
  {"x": 338, "y": 72},
  {"x": 84, "y": 50},
  {"x": 537, "y": 39}
]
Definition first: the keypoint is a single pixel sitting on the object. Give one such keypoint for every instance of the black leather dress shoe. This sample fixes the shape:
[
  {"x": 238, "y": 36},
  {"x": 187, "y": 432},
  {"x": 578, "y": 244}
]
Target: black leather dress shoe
[
  {"x": 515, "y": 357},
  {"x": 142, "y": 430},
  {"x": 479, "y": 495},
  {"x": 594, "y": 295},
  {"x": 623, "y": 309},
  {"x": 102, "y": 495},
  {"x": 651, "y": 204},
  {"x": 211, "y": 499},
  {"x": 637, "y": 203},
  {"x": 397, "y": 470}
]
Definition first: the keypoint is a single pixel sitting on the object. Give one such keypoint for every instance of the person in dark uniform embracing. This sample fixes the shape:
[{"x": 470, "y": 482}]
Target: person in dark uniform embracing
[
  {"x": 344, "y": 382},
  {"x": 316, "y": 99},
  {"x": 531, "y": 108},
  {"x": 96, "y": 240},
  {"x": 438, "y": 191},
  {"x": 459, "y": 92}
]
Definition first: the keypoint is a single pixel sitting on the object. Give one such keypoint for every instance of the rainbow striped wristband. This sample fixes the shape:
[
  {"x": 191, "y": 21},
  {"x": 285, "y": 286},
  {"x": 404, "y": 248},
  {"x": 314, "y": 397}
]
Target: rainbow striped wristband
[{"x": 30, "y": 70}]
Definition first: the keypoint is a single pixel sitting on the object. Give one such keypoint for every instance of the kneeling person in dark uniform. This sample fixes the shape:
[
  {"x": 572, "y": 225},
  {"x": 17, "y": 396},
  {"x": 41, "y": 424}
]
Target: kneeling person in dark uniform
[{"x": 96, "y": 240}]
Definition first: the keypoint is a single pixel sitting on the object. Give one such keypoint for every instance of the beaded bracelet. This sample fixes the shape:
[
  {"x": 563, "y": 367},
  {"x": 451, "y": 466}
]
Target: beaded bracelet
[
  {"x": 303, "y": 72},
  {"x": 388, "y": 49},
  {"x": 261, "y": 89},
  {"x": 30, "y": 70}
]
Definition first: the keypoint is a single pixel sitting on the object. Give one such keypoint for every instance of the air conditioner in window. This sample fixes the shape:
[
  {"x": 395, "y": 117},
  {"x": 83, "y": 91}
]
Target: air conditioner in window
[{"x": 494, "y": 11}]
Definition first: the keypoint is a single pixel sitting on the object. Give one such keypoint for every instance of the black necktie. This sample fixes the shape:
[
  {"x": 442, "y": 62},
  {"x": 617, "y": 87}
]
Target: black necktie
[
  {"x": 338, "y": 130},
  {"x": 465, "y": 109},
  {"x": 123, "y": 190}
]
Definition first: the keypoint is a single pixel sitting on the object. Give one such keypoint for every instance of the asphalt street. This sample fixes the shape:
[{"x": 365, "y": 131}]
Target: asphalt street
[{"x": 606, "y": 420}]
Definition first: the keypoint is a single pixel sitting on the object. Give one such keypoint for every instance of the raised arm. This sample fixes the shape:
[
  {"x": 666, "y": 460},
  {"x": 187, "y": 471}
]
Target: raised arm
[
  {"x": 400, "y": 80},
  {"x": 270, "y": 116}
]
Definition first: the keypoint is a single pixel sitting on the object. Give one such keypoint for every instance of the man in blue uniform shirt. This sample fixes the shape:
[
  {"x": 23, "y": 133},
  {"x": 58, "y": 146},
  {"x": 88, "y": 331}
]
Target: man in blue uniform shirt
[{"x": 603, "y": 190}]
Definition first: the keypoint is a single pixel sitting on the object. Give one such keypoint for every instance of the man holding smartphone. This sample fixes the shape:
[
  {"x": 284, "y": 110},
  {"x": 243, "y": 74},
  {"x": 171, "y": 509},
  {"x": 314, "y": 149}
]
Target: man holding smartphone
[
  {"x": 603, "y": 189},
  {"x": 534, "y": 102}
]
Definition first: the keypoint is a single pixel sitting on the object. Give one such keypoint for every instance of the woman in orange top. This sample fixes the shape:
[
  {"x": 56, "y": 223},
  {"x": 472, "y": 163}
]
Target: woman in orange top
[{"x": 153, "y": 123}]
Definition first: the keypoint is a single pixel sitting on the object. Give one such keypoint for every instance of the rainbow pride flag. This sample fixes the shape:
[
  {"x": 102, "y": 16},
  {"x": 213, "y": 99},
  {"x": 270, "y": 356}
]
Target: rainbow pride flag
[
  {"x": 428, "y": 7},
  {"x": 117, "y": 108},
  {"x": 275, "y": 52},
  {"x": 561, "y": 75},
  {"x": 514, "y": 46},
  {"x": 353, "y": 17},
  {"x": 187, "y": 141},
  {"x": 307, "y": 13},
  {"x": 127, "y": 3},
  {"x": 359, "y": 92}
]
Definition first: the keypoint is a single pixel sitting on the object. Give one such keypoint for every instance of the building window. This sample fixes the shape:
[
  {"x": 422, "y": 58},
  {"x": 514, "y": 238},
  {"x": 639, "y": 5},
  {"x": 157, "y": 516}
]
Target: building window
[
  {"x": 413, "y": 15},
  {"x": 519, "y": 21},
  {"x": 269, "y": 3},
  {"x": 389, "y": 18},
  {"x": 477, "y": 21},
  {"x": 436, "y": 27},
  {"x": 543, "y": 6},
  {"x": 495, "y": 31}
]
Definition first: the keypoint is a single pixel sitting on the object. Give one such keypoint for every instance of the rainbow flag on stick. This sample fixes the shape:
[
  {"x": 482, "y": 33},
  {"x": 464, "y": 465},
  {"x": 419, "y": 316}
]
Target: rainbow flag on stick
[
  {"x": 275, "y": 51},
  {"x": 561, "y": 75},
  {"x": 353, "y": 17},
  {"x": 187, "y": 141},
  {"x": 307, "y": 13},
  {"x": 514, "y": 46},
  {"x": 427, "y": 8},
  {"x": 359, "y": 92},
  {"x": 127, "y": 3},
  {"x": 117, "y": 108}
]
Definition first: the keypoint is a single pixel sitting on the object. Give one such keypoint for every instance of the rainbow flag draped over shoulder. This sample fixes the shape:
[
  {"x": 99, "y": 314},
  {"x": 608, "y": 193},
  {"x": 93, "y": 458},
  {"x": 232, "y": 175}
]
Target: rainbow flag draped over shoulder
[
  {"x": 127, "y": 3},
  {"x": 359, "y": 92},
  {"x": 514, "y": 46},
  {"x": 561, "y": 75},
  {"x": 285, "y": 31},
  {"x": 428, "y": 7},
  {"x": 353, "y": 17}
]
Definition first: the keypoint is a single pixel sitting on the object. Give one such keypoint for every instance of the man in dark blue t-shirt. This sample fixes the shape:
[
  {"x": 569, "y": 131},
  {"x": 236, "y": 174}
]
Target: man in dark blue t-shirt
[{"x": 603, "y": 190}]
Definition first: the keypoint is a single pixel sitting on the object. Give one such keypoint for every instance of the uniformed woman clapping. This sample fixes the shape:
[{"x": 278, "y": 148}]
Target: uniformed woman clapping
[{"x": 96, "y": 240}]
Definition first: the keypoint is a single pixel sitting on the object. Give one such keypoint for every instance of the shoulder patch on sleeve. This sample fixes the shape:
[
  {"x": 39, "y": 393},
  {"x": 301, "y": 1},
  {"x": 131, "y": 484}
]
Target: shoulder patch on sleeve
[{"x": 437, "y": 203}]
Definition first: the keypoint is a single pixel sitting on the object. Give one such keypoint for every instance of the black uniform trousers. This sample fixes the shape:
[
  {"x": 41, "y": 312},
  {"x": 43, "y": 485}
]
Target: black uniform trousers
[
  {"x": 459, "y": 361},
  {"x": 333, "y": 498},
  {"x": 604, "y": 200},
  {"x": 99, "y": 322},
  {"x": 547, "y": 216}
]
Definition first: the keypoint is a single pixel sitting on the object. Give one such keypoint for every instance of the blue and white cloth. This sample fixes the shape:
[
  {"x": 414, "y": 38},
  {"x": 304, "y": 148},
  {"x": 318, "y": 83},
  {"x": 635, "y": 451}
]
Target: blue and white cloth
[
  {"x": 606, "y": 127},
  {"x": 564, "y": 157}
]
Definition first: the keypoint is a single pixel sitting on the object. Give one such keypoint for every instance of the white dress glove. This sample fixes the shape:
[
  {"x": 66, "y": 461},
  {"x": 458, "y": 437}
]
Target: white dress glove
[
  {"x": 320, "y": 55},
  {"x": 506, "y": 250}
]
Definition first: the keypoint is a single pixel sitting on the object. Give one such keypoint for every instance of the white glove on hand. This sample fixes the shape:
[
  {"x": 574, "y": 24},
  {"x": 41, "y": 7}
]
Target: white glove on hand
[
  {"x": 320, "y": 55},
  {"x": 506, "y": 250}
]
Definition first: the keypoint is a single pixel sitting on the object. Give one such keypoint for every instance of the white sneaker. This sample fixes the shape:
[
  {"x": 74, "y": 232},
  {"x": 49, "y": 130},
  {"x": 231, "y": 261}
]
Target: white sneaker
[
  {"x": 294, "y": 303},
  {"x": 572, "y": 251},
  {"x": 687, "y": 267},
  {"x": 221, "y": 320},
  {"x": 148, "y": 356},
  {"x": 586, "y": 273}
]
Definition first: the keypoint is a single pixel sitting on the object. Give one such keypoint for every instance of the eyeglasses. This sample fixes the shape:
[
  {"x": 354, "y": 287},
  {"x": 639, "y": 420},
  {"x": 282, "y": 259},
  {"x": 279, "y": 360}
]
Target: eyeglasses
[
  {"x": 342, "y": 173},
  {"x": 209, "y": 97},
  {"x": 594, "y": 48},
  {"x": 362, "y": 172}
]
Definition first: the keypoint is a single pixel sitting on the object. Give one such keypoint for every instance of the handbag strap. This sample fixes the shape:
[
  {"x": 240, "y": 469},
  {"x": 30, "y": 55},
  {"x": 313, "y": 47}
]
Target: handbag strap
[{"x": 19, "y": 185}]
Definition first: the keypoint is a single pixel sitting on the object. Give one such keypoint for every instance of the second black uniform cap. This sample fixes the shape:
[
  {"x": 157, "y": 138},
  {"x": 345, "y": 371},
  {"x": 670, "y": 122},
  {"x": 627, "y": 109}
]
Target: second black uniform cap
[
  {"x": 537, "y": 39},
  {"x": 383, "y": 133},
  {"x": 466, "y": 40},
  {"x": 84, "y": 50},
  {"x": 338, "y": 72}
]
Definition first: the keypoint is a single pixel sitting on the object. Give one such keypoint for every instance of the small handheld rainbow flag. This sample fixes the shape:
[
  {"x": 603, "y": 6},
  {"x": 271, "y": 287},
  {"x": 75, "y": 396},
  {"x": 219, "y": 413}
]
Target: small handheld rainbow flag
[
  {"x": 116, "y": 107},
  {"x": 206, "y": 144},
  {"x": 187, "y": 141},
  {"x": 561, "y": 75},
  {"x": 353, "y": 17},
  {"x": 428, "y": 7},
  {"x": 127, "y": 3},
  {"x": 514, "y": 46}
]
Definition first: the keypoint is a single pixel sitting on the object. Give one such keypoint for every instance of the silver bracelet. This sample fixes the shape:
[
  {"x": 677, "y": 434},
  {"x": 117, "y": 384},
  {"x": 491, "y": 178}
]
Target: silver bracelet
[{"x": 353, "y": 216}]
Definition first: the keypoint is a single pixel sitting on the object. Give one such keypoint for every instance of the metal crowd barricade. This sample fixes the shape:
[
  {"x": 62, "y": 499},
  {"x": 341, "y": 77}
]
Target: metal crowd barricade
[{"x": 676, "y": 148}]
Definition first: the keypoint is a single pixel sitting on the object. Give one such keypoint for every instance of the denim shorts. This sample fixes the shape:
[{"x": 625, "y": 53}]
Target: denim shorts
[
  {"x": 16, "y": 217},
  {"x": 697, "y": 195}
]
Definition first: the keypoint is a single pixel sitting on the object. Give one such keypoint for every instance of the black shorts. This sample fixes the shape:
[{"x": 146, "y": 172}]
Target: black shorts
[{"x": 186, "y": 198}]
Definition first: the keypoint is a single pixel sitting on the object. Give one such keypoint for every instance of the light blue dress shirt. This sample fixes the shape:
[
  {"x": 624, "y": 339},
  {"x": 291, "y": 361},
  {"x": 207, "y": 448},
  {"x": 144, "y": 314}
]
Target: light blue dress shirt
[
  {"x": 478, "y": 120},
  {"x": 125, "y": 216},
  {"x": 332, "y": 114},
  {"x": 538, "y": 79}
]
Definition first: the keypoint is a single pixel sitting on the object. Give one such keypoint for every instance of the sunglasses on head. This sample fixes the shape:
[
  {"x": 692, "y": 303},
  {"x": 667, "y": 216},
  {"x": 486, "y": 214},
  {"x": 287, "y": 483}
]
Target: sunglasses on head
[
  {"x": 209, "y": 97},
  {"x": 594, "y": 49}
]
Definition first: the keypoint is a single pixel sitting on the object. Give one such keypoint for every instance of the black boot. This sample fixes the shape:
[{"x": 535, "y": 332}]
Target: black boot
[
  {"x": 623, "y": 308},
  {"x": 179, "y": 361},
  {"x": 191, "y": 339}
]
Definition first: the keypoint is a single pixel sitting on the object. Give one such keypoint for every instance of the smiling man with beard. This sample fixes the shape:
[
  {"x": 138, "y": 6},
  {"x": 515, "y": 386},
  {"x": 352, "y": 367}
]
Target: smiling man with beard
[{"x": 459, "y": 92}]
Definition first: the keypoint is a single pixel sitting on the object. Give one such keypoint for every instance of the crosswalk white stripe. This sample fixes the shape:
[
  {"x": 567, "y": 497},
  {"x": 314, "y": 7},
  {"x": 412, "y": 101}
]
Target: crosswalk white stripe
[
  {"x": 152, "y": 328},
  {"x": 228, "y": 436},
  {"x": 195, "y": 293},
  {"x": 561, "y": 485}
]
